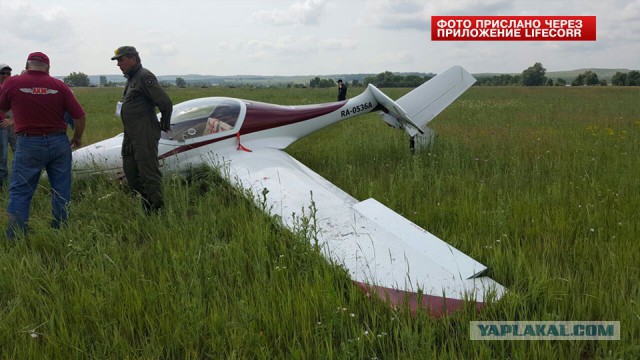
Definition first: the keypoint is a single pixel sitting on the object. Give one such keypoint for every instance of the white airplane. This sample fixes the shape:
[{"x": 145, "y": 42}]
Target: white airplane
[{"x": 384, "y": 253}]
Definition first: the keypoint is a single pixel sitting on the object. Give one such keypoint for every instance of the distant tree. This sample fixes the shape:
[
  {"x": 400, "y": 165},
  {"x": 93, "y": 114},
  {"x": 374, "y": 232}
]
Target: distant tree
[
  {"x": 619, "y": 79},
  {"x": 383, "y": 79},
  {"x": 77, "y": 79},
  {"x": 591, "y": 78},
  {"x": 633, "y": 78},
  {"x": 534, "y": 75},
  {"x": 103, "y": 80},
  {"x": 499, "y": 80},
  {"x": 411, "y": 81},
  {"x": 561, "y": 82},
  {"x": 578, "y": 81},
  {"x": 315, "y": 82},
  {"x": 389, "y": 79},
  {"x": 180, "y": 82},
  {"x": 586, "y": 78},
  {"x": 321, "y": 83},
  {"x": 355, "y": 83},
  {"x": 603, "y": 82},
  {"x": 549, "y": 82},
  {"x": 327, "y": 83}
]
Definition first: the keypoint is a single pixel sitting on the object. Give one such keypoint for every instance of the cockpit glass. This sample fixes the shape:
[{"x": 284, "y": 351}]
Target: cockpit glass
[{"x": 200, "y": 117}]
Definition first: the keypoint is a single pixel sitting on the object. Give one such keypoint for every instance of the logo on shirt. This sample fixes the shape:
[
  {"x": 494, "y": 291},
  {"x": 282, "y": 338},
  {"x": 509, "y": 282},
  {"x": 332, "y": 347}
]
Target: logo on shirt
[{"x": 38, "y": 91}]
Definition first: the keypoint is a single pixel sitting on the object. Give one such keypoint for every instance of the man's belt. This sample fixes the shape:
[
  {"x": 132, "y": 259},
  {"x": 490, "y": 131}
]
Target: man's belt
[{"x": 41, "y": 133}]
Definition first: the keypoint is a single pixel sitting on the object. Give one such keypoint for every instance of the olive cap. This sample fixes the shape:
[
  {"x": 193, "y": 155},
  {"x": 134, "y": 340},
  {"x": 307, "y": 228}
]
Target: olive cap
[{"x": 124, "y": 50}]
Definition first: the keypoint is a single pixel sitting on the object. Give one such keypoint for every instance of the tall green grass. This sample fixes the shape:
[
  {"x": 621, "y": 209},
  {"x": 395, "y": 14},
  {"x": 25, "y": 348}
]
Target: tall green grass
[{"x": 541, "y": 185}]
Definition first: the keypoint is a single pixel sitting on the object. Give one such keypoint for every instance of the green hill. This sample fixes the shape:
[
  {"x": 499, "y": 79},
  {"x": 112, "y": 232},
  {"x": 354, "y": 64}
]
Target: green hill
[{"x": 603, "y": 74}]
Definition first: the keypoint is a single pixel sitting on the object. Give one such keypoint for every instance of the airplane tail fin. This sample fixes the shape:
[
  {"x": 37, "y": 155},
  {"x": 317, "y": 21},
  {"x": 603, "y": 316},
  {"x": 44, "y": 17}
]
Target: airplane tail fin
[{"x": 416, "y": 109}]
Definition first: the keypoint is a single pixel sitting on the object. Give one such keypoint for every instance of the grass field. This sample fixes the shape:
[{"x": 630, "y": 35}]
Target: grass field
[{"x": 539, "y": 184}]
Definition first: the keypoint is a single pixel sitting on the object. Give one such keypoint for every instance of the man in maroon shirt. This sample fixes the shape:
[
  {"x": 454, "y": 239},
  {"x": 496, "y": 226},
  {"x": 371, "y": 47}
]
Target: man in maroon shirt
[{"x": 38, "y": 102}]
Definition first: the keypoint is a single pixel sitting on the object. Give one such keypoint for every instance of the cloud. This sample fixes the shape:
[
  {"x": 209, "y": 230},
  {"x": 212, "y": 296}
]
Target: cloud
[
  {"x": 299, "y": 13},
  {"x": 336, "y": 44},
  {"x": 393, "y": 58},
  {"x": 473, "y": 7},
  {"x": 397, "y": 15},
  {"x": 297, "y": 51},
  {"x": 23, "y": 21},
  {"x": 227, "y": 46},
  {"x": 620, "y": 26},
  {"x": 416, "y": 14},
  {"x": 165, "y": 50},
  {"x": 296, "y": 46}
]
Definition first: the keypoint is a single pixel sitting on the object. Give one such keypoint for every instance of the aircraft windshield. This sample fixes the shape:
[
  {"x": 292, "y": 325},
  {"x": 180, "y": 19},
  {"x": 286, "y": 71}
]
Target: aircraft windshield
[{"x": 201, "y": 117}]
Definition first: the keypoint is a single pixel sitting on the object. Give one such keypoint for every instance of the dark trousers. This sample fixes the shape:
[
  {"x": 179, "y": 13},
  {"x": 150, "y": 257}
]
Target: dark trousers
[{"x": 142, "y": 170}]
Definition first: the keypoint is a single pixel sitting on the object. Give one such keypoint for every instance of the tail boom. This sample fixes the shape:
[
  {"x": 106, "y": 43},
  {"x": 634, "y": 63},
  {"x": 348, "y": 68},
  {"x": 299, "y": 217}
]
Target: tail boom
[{"x": 416, "y": 109}]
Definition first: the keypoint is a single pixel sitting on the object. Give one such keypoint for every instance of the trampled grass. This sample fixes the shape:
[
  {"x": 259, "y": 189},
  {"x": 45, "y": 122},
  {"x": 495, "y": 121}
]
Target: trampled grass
[{"x": 541, "y": 185}]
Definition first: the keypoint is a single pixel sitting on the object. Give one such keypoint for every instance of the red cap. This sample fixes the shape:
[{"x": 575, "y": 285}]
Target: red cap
[{"x": 38, "y": 56}]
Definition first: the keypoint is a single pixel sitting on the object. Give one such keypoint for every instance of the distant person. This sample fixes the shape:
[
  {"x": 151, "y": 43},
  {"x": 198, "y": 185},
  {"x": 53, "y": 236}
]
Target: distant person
[
  {"x": 7, "y": 136},
  {"x": 342, "y": 90},
  {"x": 141, "y": 128},
  {"x": 38, "y": 102}
]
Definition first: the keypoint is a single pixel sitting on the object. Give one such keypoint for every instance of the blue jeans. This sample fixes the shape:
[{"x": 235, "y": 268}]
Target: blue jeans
[
  {"x": 50, "y": 152},
  {"x": 7, "y": 138}
]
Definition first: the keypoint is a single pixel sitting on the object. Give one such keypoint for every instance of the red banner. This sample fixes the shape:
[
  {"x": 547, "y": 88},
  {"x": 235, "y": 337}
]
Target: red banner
[{"x": 513, "y": 28}]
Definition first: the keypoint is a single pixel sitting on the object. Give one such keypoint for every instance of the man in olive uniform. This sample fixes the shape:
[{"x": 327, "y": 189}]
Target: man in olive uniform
[{"x": 142, "y": 95}]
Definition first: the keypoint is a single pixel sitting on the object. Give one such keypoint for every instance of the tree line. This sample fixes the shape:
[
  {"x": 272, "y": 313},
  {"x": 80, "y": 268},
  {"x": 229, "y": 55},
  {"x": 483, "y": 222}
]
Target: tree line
[
  {"x": 384, "y": 79},
  {"x": 389, "y": 79},
  {"x": 536, "y": 76},
  {"x": 532, "y": 76},
  {"x": 632, "y": 78},
  {"x": 82, "y": 79}
]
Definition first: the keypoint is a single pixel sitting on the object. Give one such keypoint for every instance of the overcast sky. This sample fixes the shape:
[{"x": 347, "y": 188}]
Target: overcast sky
[{"x": 301, "y": 37}]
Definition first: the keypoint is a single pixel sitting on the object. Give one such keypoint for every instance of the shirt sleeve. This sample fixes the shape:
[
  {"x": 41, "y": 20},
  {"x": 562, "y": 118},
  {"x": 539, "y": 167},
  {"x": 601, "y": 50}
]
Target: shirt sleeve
[
  {"x": 159, "y": 97},
  {"x": 72, "y": 105}
]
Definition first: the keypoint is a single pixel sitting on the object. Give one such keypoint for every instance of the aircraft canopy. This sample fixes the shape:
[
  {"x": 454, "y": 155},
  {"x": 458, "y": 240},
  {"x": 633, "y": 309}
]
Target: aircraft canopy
[{"x": 201, "y": 117}]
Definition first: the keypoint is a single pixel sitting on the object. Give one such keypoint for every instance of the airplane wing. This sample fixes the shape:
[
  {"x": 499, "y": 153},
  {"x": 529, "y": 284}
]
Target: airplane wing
[{"x": 382, "y": 251}]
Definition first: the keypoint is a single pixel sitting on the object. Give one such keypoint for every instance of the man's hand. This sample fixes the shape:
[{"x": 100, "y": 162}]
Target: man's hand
[
  {"x": 165, "y": 126},
  {"x": 6, "y": 122},
  {"x": 76, "y": 143}
]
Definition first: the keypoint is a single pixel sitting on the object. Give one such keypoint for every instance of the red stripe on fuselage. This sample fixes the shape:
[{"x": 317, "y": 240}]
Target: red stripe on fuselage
[{"x": 263, "y": 116}]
